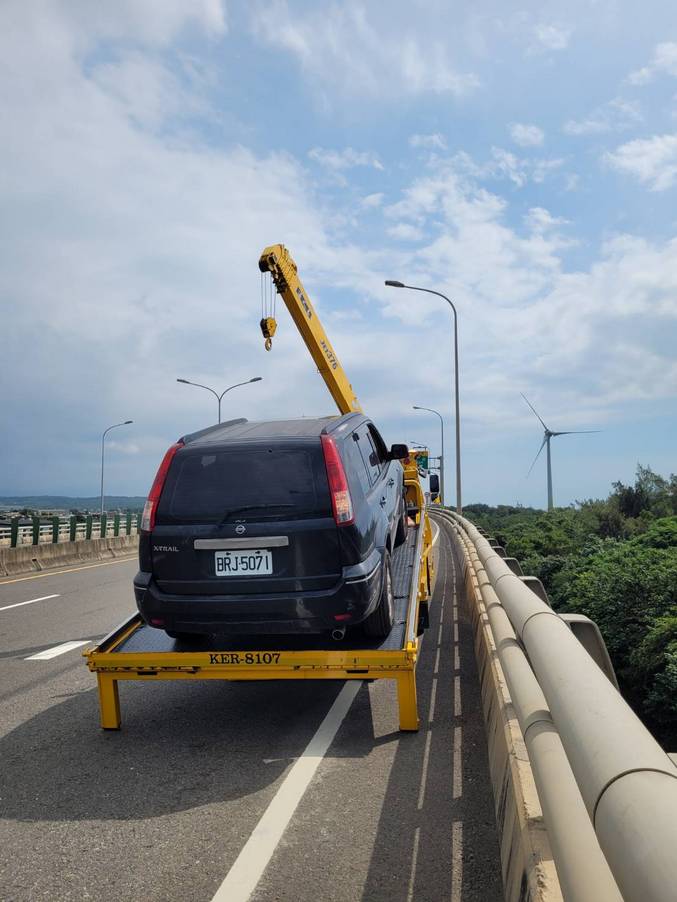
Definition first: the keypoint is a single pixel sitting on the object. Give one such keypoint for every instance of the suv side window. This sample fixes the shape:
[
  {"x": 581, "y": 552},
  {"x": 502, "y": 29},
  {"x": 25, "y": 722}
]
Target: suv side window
[
  {"x": 379, "y": 444},
  {"x": 369, "y": 448},
  {"x": 355, "y": 461}
]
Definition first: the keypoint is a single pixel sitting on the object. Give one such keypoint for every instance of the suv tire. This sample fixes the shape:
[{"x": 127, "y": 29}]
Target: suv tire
[
  {"x": 402, "y": 526},
  {"x": 380, "y": 622}
]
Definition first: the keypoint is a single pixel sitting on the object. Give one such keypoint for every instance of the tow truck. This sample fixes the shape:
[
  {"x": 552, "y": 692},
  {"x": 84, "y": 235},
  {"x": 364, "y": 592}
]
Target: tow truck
[{"x": 135, "y": 651}]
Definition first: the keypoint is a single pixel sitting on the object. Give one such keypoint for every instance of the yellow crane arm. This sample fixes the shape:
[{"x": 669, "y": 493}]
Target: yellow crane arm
[{"x": 278, "y": 262}]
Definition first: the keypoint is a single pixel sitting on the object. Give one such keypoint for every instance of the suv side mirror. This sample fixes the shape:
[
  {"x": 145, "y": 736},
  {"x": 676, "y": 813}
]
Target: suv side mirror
[
  {"x": 434, "y": 485},
  {"x": 398, "y": 452}
]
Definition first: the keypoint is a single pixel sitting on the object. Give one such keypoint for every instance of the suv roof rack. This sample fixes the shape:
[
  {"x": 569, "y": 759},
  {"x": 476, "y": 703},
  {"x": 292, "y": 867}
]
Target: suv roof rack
[{"x": 193, "y": 436}]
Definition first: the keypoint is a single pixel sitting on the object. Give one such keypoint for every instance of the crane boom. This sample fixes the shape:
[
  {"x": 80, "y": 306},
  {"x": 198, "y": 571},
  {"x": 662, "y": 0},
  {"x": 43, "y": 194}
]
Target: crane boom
[{"x": 277, "y": 260}]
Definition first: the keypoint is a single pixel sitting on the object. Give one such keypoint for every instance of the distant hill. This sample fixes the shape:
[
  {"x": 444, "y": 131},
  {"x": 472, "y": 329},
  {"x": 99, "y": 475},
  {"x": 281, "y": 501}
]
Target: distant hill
[{"x": 66, "y": 502}]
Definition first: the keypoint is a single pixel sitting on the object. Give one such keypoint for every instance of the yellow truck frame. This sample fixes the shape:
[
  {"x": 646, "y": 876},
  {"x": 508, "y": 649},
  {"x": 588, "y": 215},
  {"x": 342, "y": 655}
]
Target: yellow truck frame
[{"x": 121, "y": 656}]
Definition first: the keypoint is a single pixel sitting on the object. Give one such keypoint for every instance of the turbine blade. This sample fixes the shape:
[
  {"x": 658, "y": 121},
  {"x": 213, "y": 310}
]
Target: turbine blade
[
  {"x": 535, "y": 411},
  {"x": 537, "y": 456},
  {"x": 577, "y": 432}
]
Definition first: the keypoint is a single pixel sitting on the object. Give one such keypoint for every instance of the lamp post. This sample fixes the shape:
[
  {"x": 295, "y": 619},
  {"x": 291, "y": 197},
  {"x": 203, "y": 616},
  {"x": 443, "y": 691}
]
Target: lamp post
[
  {"x": 225, "y": 391},
  {"x": 391, "y": 283},
  {"x": 103, "y": 442},
  {"x": 430, "y": 410}
]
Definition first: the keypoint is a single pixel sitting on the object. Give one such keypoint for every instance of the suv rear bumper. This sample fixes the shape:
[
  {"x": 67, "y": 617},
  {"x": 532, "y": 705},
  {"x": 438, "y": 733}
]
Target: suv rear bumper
[{"x": 308, "y": 612}]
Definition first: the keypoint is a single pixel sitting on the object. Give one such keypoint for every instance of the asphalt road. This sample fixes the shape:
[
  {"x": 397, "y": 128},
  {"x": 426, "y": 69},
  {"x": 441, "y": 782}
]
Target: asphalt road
[{"x": 164, "y": 808}]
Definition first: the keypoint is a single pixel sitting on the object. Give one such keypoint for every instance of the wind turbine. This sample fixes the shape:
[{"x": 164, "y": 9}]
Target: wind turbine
[{"x": 547, "y": 435}]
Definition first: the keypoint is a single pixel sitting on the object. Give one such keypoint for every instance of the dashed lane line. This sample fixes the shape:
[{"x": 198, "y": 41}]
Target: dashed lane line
[
  {"x": 244, "y": 875},
  {"x": 21, "y": 579},
  {"x": 20, "y": 604},
  {"x": 50, "y": 653}
]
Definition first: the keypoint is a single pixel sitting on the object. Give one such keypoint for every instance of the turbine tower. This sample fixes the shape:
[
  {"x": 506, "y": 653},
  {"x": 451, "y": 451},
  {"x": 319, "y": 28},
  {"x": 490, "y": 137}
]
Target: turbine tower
[{"x": 547, "y": 435}]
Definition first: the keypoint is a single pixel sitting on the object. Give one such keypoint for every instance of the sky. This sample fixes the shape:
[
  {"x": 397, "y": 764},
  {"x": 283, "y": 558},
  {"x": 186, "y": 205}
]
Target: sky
[{"x": 520, "y": 158}]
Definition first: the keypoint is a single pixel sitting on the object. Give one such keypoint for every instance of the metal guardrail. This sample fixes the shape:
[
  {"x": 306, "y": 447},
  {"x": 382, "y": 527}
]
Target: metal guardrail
[
  {"x": 577, "y": 725},
  {"x": 52, "y": 530}
]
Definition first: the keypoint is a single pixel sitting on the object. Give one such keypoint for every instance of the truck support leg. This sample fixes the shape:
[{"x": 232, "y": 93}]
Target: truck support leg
[
  {"x": 406, "y": 697},
  {"x": 109, "y": 701}
]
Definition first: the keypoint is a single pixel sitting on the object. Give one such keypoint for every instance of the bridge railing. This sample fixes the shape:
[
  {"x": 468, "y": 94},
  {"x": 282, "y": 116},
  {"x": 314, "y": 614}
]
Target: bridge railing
[
  {"x": 595, "y": 764},
  {"x": 52, "y": 530}
]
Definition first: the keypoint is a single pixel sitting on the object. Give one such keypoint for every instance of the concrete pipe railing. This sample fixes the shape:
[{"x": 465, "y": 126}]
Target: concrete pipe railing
[
  {"x": 625, "y": 779},
  {"x": 581, "y": 866}
]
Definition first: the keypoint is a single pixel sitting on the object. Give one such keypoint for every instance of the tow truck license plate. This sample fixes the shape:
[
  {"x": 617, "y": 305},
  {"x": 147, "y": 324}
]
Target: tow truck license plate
[{"x": 248, "y": 562}]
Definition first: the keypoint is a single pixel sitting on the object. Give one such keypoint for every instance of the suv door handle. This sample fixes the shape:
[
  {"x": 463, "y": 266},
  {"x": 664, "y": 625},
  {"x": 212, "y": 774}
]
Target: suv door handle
[
  {"x": 391, "y": 482},
  {"x": 382, "y": 502}
]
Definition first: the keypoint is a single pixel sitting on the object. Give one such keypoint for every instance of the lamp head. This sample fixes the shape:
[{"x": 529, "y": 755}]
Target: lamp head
[
  {"x": 127, "y": 422},
  {"x": 392, "y": 283},
  {"x": 185, "y": 381},
  {"x": 256, "y": 379}
]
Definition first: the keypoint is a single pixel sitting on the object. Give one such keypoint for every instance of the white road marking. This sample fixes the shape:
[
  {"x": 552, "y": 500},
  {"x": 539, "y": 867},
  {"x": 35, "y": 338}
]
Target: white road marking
[
  {"x": 457, "y": 861},
  {"x": 50, "y": 653},
  {"x": 32, "y": 601},
  {"x": 248, "y": 868},
  {"x": 424, "y": 770},
  {"x": 457, "y": 778},
  {"x": 457, "y": 696},
  {"x": 437, "y": 661},
  {"x": 414, "y": 862},
  {"x": 433, "y": 697},
  {"x": 457, "y": 660},
  {"x": 436, "y": 530}
]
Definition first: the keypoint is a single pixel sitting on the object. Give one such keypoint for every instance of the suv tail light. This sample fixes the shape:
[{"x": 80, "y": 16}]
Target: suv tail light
[
  {"x": 150, "y": 507},
  {"x": 341, "y": 502}
]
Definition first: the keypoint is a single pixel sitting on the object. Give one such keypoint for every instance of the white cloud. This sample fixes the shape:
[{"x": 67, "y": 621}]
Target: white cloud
[
  {"x": 371, "y": 201},
  {"x": 550, "y": 36},
  {"x": 429, "y": 142},
  {"x": 404, "y": 231},
  {"x": 616, "y": 115},
  {"x": 651, "y": 160},
  {"x": 339, "y": 160},
  {"x": 664, "y": 61},
  {"x": 527, "y": 135},
  {"x": 342, "y": 47}
]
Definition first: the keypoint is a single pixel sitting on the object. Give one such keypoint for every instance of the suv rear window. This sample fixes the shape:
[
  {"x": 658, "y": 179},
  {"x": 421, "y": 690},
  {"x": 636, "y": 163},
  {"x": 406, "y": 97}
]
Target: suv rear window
[{"x": 213, "y": 486}]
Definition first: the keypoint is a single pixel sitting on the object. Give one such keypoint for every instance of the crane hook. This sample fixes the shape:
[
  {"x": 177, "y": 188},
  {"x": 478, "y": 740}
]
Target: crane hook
[{"x": 268, "y": 327}]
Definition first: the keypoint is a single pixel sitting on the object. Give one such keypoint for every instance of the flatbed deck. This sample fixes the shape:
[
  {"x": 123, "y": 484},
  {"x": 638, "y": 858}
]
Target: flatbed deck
[{"x": 135, "y": 651}]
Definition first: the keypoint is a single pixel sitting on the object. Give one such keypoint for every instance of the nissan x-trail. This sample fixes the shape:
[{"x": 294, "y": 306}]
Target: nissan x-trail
[{"x": 273, "y": 528}]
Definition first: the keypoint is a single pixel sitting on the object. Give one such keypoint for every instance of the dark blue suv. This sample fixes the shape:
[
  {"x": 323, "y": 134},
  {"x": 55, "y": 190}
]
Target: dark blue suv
[{"x": 272, "y": 528}]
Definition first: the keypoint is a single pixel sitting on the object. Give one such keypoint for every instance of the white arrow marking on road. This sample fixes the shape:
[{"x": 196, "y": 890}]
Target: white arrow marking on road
[
  {"x": 32, "y": 601},
  {"x": 57, "y": 650}
]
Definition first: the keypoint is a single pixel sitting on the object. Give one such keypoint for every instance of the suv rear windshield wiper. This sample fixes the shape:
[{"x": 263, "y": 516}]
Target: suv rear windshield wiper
[{"x": 252, "y": 507}]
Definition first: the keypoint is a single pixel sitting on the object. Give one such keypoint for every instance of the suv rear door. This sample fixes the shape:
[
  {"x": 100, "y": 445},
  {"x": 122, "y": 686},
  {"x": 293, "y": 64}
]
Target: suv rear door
[{"x": 270, "y": 499}]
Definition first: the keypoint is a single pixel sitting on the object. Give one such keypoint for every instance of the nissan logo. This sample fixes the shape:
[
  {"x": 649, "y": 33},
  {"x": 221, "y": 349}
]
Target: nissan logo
[{"x": 240, "y": 529}]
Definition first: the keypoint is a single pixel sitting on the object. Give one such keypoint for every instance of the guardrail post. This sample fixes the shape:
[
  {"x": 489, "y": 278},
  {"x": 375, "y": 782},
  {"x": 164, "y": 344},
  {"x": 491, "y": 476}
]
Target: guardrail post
[
  {"x": 36, "y": 530},
  {"x": 138, "y": 522},
  {"x": 73, "y": 527},
  {"x": 116, "y": 525},
  {"x": 14, "y": 532},
  {"x": 128, "y": 524},
  {"x": 55, "y": 530},
  {"x": 103, "y": 526},
  {"x": 88, "y": 527}
]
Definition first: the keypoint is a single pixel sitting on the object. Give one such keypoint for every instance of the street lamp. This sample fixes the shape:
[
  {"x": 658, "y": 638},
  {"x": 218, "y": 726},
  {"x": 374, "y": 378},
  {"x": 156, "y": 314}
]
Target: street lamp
[
  {"x": 103, "y": 441},
  {"x": 430, "y": 410},
  {"x": 391, "y": 283},
  {"x": 225, "y": 391}
]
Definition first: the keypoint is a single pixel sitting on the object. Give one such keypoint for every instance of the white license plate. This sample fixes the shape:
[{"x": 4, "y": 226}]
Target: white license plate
[{"x": 246, "y": 562}]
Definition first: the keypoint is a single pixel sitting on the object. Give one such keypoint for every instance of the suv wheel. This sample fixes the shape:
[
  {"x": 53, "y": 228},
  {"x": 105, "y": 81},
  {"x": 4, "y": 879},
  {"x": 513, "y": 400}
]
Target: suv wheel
[
  {"x": 402, "y": 526},
  {"x": 380, "y": 622},
  {"x": 183, "y": 637}
]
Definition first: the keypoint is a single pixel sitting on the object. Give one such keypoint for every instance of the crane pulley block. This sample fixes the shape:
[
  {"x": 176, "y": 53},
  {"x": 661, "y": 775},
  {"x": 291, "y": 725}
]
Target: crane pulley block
[{"x": 268, "y": 328}]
